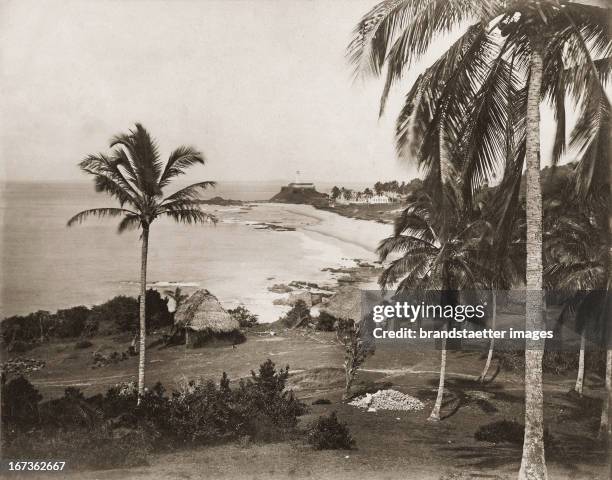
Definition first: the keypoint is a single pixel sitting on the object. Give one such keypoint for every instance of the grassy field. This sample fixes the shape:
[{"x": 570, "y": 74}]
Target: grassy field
[{"x": 388, "y": 444}]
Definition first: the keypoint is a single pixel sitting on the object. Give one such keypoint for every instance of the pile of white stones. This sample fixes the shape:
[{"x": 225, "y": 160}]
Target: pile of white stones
[{"x": 387, "y": 400}]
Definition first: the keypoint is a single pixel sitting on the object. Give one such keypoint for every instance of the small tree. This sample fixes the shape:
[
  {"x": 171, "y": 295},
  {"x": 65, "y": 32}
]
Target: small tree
[
  {"x": 245, "y": 318},
  {"x": 356, "y": 350},
  {"x": 298, "y": 314}
]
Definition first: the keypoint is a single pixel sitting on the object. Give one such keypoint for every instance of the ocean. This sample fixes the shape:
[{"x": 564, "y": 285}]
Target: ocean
[{"x": 47, "y": 266}]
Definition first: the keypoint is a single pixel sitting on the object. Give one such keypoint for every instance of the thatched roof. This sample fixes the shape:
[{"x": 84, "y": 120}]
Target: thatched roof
[
  {"x": 345, "y": 304},
  {"x": 202, "y": 311}
]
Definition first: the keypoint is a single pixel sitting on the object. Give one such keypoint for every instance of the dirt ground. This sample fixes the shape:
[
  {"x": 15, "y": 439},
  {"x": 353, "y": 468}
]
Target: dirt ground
[{"x": 389, "y": 445}]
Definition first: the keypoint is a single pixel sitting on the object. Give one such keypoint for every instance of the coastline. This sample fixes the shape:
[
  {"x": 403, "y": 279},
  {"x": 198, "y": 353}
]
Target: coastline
[{"x": 286, "y": 243}]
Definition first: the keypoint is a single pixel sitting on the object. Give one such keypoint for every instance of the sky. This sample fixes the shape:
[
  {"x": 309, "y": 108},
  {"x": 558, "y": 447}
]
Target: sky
[{"x": 262, "y": 87}]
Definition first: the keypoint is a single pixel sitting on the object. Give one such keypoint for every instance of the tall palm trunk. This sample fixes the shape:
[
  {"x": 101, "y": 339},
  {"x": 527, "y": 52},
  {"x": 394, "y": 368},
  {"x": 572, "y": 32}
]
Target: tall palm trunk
[
  {"x": 533, "y": 464},
  {"x": 580, "y": 377},
  {"x": 483, "y": 375},
  {"x": 435, "y": 413},
  {"x": 605, "y": 427},
  {"x": 143, "y": 301}
]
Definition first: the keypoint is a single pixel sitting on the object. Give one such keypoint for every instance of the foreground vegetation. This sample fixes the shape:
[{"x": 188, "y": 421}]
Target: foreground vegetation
[{"x": 112, "y": 430}]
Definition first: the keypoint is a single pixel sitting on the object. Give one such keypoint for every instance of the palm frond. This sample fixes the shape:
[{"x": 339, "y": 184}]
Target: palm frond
[
  {"x": 190, "y": 216},
  {"x": 368, "y": 48},
  {"x": 143, "y": 157},
  {"x": 183, "y": 157},
  {"x": 99, "y": 213},
  {"x": 129, "y": 222},
  {"x": 591, "y": 137},
  {"x": 110, "y": 179},
  {"x": 192, "y": 192}
]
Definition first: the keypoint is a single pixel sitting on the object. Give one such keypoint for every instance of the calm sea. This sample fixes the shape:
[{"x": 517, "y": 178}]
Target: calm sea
[{"x": 47, "y": 266}]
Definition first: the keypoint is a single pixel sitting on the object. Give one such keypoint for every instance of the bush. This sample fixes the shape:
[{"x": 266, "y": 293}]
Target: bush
[
  {"x": 322, "y": 401},
  {"x": 327, "y": 433},
  {"x": 298, "y": 315},
  {"x": 158, "y": 315},
  {"x": 82, "y": 430},
  {"x": 245, "y": 318},
  {"x": 19, "y": 404},
  {"x": 263, "y": 399},
  {"x": 325, "y": 322},
  {"x": 83, "y": 344}
]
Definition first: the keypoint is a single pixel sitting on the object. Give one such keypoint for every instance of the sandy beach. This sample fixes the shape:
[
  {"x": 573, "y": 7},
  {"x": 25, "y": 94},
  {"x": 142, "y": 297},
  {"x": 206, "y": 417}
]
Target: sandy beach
[{"x": 238, "y": 260}]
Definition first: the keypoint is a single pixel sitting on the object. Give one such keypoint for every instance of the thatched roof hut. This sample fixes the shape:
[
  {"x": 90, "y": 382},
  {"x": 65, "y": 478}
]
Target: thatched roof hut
[
  {"x": 345, "y": 304},
  {"x": 203, "y": 317}
]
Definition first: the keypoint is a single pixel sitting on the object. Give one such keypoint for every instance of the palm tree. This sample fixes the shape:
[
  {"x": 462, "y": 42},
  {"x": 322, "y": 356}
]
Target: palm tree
[
  {"x": 576, "y": 253},
  {"x": 135, "y": 176},
  {"x": 503, "y": 257},
  {"x": 514, "y": 53},
  {"x": 439, "y": 250}
]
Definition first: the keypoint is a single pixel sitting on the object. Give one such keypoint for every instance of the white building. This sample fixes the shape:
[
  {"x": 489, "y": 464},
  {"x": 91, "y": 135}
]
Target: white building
[{"x": 379, "y": 199}]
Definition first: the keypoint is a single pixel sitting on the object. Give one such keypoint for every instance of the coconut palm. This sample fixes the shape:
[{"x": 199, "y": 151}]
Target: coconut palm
[
  {"x": 504, "y": 256},
  {"x": 456, "y": 111},
  {"x": 438, "y": 249},
  {"x": 591, "y": 138},
  {"x": 575, "y": 257},
  {"x": 135, "y": 176}
]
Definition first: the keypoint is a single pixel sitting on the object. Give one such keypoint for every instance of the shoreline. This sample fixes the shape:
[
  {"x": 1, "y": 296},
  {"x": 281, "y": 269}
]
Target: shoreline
[{"x": 321, "y": 246}]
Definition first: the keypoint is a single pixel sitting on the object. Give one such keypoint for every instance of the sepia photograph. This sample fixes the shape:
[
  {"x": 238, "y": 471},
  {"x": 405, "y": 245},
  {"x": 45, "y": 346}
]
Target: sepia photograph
[{"x": 306, "y": 239}]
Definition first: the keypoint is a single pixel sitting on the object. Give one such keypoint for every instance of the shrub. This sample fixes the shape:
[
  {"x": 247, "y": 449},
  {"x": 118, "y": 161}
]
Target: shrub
[
  {"x": 325, "y": 322},
  {"x": 298, "y": 315},
  {"x": 83, "y": 344},
  {"x": 322, "y": 401},
  {"x": 245, "y": 318},
  {"x": 203, "y": 413},
  {"x": 112, "y": 430},
  {"x": 158, "y": 315},
  {"x": 327, "y": 433},
  {"x": 264, "y": 400},
  {"x": 19, "y": 404}
]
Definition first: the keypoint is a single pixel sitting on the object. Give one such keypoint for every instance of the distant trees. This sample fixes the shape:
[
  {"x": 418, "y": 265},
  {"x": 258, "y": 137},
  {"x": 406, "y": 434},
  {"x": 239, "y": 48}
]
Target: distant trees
[
  {"x": 119, "y": 314},
  {"x": 378, "y": 188},
  {"x": 335, "y": 192}
]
